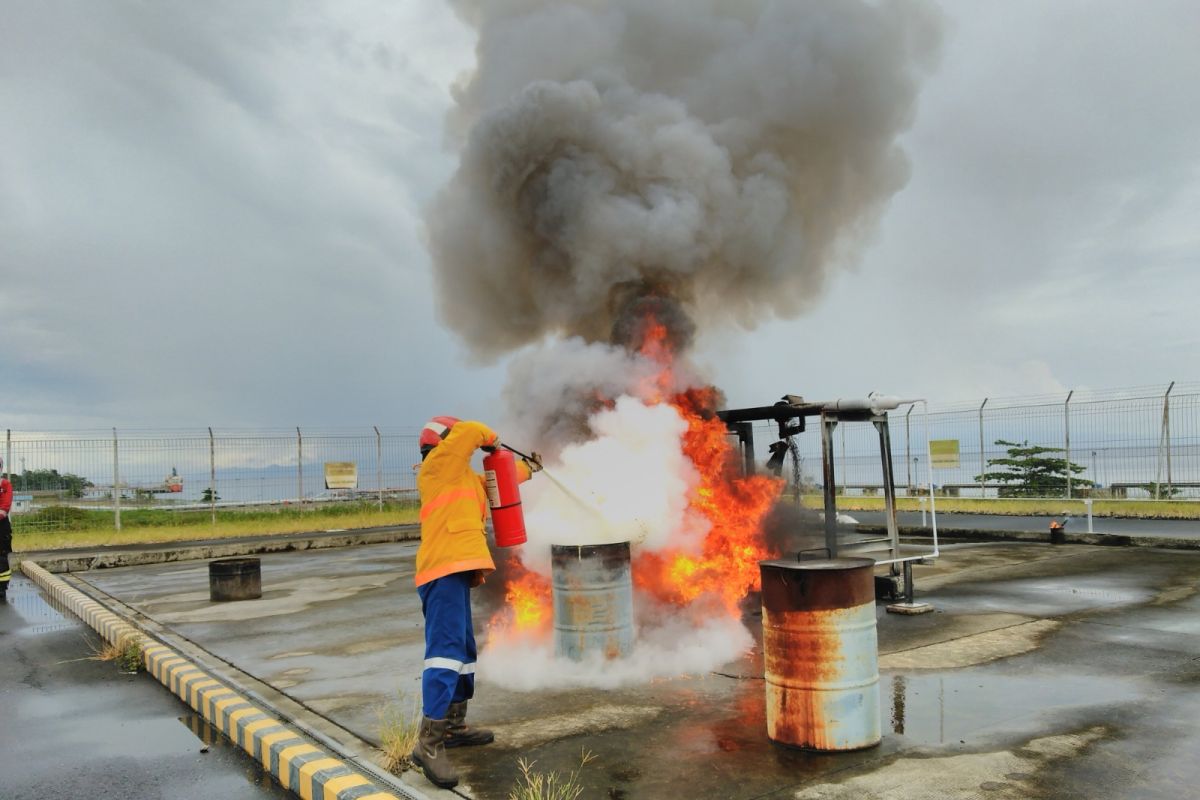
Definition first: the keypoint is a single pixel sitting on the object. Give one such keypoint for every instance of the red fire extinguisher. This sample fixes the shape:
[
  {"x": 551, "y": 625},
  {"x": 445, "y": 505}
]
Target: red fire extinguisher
[{"x": 508, "y": 521}]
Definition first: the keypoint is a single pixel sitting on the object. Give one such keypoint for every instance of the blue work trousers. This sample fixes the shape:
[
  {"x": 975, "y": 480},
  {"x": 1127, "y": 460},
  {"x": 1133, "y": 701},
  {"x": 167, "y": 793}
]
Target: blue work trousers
[{"x": 449, "y": 675}]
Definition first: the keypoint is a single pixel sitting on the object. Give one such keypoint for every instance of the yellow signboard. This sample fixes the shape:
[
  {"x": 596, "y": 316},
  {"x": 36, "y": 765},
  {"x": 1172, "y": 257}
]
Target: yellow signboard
[
  {"x": 341, "y": 475},
  {"x": 943, "y": 453}
]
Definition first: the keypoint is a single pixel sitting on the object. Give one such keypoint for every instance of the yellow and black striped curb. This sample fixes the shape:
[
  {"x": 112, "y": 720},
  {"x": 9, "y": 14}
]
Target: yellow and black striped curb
[{"x": 308, "y": 771}]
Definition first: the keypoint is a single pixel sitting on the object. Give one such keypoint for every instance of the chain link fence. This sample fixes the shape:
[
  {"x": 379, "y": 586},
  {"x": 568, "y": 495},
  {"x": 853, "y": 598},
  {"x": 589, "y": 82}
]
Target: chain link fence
[
  {"x": 1134, "y": 443},
  {"x": 73, "y": 479},
  {"x": 1141, "y": 443}
]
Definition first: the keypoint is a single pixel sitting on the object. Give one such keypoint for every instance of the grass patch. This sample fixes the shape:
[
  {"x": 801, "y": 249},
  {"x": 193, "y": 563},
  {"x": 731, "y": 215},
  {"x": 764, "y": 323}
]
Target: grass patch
[
  {"x": 126, "y": 654},
  {"x": 58, "y": 527},
  {"x": 1141, "y": 509},
  {"x": 399, "y": 728},
  {"x": 549, "y": 785}
]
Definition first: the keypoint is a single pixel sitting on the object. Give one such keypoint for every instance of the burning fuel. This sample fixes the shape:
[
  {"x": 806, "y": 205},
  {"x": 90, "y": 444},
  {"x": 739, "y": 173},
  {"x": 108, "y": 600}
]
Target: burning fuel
[{"x": 630, "y": 174}]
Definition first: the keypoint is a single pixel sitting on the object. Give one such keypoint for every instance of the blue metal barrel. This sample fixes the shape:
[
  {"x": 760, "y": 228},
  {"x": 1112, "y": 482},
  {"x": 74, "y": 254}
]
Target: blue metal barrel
[
  {"x": 821, "y": 653},
  {"x": 593, "y": 600}
]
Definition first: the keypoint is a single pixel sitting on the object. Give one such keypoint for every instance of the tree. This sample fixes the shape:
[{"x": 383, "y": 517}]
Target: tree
[
  {"x": 1161, "y": 491},
  {"x": 1031, "y": 472},
  {"x": 50, "y": 480},
  {"x": 209, "y": 496}
]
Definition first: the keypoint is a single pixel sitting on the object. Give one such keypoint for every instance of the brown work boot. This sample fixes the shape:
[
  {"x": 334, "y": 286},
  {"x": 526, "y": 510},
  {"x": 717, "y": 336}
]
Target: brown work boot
[
  {"x": 430, "y": 753},
  {"x": 458, "y": 734}
]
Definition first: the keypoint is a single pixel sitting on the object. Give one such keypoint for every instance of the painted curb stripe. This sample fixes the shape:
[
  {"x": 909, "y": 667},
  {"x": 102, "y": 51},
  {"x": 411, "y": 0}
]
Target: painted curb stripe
[
  {"x": 287, "y": 756},
  {"x": 306, "y": 770},
  {"x": 308, "y": 786}
]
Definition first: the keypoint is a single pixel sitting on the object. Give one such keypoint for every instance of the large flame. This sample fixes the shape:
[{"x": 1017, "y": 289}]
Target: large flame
[{"x": 726, "y": 567}]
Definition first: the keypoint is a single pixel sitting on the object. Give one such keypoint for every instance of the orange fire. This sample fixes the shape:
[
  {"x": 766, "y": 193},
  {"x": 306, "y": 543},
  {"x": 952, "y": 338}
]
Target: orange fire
[
  {"x": 734, "y": 504},
  {"x": 726, "y": 568},
  {"x": 526, "y": 609}
]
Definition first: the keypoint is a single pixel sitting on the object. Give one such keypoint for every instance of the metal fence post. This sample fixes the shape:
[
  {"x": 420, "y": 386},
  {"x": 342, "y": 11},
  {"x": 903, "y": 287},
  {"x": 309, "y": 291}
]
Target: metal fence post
[
  {"x": 212, "y": 476},
  {"x": 116, "y": 485},
  {"x": 379, "y": 465},
  {"x": 1166, "y": 439},
  {"x": 8, "y": 453},
  {"x": 299, "y": 468},
  {"x": 1067, "y": 437},
  {"x": 982, "y": 468}
]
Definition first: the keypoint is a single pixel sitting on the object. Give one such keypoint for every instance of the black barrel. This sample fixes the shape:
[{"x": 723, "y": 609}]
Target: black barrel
[{"x": 234, "y": 579}]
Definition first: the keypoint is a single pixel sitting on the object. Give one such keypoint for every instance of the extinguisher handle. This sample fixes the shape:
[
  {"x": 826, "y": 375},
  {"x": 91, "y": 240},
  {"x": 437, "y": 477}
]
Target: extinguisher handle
[{"x": 514, "y": 451}]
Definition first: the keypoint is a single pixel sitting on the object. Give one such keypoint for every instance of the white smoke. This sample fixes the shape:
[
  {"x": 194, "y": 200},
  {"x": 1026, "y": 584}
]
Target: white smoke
[
  {"x": 676, "y": 647},
  {"x": 631, "y": 482}
]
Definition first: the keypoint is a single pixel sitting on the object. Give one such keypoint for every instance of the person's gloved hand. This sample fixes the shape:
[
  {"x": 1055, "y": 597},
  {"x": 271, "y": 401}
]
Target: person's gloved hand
[
  {"x": 534, "y": 462},
  {"x": 491, "y": 448}
]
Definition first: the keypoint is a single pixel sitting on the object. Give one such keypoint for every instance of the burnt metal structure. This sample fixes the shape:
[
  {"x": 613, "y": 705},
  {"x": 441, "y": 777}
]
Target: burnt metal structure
[{"x": 790, "y": 414}]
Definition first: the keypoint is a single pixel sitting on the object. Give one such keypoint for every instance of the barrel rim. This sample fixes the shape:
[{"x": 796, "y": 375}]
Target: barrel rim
[
  {"x": 236, "y": 561},
  {"x": 591, "y": 547}
]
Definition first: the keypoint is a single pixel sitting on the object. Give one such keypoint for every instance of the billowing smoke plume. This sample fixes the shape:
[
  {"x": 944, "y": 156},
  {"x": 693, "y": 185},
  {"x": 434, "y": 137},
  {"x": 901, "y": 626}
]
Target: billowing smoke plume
[
  {"x": 724, "y": 154},
  {"x": 632, "y": 172}
]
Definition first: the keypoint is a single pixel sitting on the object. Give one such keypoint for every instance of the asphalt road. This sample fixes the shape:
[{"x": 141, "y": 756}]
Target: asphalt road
[
  {"x": 73, "y": 727},
  {"x": 1175, "y": 528}
]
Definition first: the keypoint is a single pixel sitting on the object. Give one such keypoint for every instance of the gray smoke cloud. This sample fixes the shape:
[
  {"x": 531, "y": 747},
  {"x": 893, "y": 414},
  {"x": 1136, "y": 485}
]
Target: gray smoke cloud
[{"x": 725, "y": 155}]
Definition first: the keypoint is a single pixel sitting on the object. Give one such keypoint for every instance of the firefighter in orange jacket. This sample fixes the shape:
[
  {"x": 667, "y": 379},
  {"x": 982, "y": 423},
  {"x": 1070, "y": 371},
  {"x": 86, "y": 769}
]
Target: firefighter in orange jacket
[{"x": 453, "y": 558}]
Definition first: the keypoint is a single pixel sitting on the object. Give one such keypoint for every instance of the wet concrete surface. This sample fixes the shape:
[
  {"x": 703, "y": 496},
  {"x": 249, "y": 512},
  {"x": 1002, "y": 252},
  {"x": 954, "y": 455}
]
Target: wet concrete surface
[
  {"x": 73, "y": 727},
  {"x": 1045, "y": 671}
]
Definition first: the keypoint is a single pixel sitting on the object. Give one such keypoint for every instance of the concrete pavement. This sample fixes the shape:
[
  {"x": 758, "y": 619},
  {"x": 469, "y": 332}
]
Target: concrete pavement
[
  {"x": 72, "y": 727},
  {"x": 1046, "y": 672}
]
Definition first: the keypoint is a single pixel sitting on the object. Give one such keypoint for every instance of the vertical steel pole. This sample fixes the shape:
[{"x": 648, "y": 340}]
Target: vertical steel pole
[
  {"x": 299, "y": 468},
  {"x": 116, "y": 485},
  {"x": 379, "y": 465},
  {"x": 982, "y": 468},
  {"x": 212, "y": 476},
  {"x": 827, "y": 426},
  {"x": 8, "y": 454},
  {"x": 845, "y": 473},
  {"x": 908, "y": 447},
  {"x": 889, "y": 484},
  {"x": 1067, "y": 437}
]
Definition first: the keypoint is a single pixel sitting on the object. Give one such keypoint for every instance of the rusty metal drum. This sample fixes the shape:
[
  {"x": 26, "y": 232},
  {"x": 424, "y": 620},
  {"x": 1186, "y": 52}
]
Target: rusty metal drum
[
  {"x": 593, "y": 600},
  {"x": 234, "y": 579},
  {"x": 821, "y": 653}
]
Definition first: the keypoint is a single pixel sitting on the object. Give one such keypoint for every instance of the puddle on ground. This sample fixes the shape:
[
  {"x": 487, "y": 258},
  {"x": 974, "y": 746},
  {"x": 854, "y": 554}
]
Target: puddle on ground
[
  {"x": 217, "y": 743},
  {"x": 945, "y": 708},
  {"x": 42, "y": 615}
]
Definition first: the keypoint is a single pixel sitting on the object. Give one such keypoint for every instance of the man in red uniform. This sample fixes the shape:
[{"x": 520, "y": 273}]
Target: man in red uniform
[
  {"x": 6, "y": 498},
  {"x": 452, "y": 559}
]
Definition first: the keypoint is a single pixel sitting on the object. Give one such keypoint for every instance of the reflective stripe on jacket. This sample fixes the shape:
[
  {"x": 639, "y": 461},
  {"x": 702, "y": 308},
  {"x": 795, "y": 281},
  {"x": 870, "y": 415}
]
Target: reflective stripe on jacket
[{"x": 454, "y": 505}]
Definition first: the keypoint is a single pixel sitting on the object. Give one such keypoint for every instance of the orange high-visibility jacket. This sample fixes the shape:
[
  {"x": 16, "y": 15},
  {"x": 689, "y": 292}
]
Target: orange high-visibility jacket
[{"x": 454, "y": 505}]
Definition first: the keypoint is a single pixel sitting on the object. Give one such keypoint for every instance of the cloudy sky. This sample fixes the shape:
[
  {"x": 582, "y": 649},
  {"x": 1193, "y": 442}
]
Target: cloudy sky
[{"x": 211, "y": 214}]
